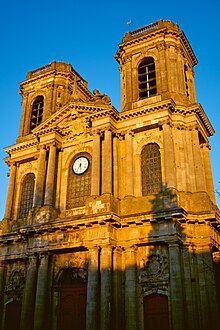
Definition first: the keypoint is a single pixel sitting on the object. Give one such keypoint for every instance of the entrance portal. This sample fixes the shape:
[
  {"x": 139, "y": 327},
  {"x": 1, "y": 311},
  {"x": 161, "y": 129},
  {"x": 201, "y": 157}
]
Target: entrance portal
[
  {"x": 72, "y": 284},
  {"x": 72, "y": 309},
  {"x": 13, "y": 315},
  {"x": 156, "y": 314}
]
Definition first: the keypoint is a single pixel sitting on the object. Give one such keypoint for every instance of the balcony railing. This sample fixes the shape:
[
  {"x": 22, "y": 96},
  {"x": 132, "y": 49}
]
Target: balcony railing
[{"x": 144, "y": 29}]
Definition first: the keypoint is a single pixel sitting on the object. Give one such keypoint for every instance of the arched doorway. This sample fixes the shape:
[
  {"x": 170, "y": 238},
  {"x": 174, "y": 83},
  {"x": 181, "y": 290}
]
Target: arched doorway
[
  {"x": 156, "y": 313},
  {"x": 72, "y": 286}
]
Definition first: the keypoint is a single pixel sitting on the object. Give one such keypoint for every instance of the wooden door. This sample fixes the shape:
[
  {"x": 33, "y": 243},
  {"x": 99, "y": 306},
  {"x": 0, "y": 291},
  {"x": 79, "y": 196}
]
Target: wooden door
[
  {"x": 13, "y": 316},
  {"x": 156, "y": 314},
  {"x": 72, "y": 309}
]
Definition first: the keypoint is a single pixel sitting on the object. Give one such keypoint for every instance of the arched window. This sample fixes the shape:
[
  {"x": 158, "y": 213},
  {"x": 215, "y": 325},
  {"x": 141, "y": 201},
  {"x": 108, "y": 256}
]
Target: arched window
[
  {"x": 151, "y": 169},
  {"x": 27, "y": 193},
  {"x": 37, "y": 112},
  {"x": 147, "y": 78},
  {"x": 79, "y": 181}
]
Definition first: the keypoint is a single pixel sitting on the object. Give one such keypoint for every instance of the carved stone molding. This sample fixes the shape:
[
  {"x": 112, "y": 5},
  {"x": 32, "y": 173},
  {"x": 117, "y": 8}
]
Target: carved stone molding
[
  {"x": 15, "y": 284},
  {"x": 154, "y": 270},
  {"x": 70, "y": 276}
]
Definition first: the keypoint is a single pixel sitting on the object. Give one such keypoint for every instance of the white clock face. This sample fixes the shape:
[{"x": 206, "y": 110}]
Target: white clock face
[{"x": 80, "y": 165}]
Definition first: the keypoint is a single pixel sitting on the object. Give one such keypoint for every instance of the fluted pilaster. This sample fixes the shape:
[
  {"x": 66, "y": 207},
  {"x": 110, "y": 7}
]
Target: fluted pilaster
[
  {"x": 10, "y": 193},
  {"x": 50, "y": 179},
  {"x": 40, "y": 179}
]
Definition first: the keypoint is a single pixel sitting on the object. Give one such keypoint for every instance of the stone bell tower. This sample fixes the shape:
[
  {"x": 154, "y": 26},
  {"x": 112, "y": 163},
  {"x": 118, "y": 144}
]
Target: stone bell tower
[
  {"x": 156, "y": 61},
  {"x": 46, "y": 90},
  {"x": 157, "y": 78}
]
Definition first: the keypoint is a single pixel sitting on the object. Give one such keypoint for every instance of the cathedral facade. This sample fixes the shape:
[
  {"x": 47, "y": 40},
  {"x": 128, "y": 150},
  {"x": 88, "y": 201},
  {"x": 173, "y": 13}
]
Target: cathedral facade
[{"x": 110, "y": 219}]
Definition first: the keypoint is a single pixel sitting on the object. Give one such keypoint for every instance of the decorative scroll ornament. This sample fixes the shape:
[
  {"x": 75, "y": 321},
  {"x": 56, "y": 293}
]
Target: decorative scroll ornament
[
  {"x": 154, "y": 270},
  {"x": 16, "y": 282},
  {"x": 70, "y": 276}
]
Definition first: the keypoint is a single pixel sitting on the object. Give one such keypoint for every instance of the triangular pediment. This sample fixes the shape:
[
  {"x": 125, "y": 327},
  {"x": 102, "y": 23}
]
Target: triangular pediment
[{"x": 72, "y": 119}]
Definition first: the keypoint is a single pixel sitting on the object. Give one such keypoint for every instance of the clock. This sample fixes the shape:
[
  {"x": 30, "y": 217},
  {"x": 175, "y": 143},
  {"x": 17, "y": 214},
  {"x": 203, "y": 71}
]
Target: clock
[{"x": 80, "y": 165}]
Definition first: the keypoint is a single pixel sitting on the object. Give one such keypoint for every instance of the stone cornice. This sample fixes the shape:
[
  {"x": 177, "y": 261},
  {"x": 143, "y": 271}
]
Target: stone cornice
[
  {"x": 21, "y": 146},
  {"x": 169, "y": 104},
  {"x": 53, "y": 70},
  {"x": 159, "y": 27},
  {"x": 94, "y": 112},
  {"x": 198, "y": 110}
]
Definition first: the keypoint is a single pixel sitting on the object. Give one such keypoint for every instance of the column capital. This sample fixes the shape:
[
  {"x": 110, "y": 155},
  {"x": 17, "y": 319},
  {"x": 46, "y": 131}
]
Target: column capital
[
  {"x": 106, "y": 246},
  {"x": 10, "y": 162},
  {"x": 120, "y": 136},
  {"x": 132, "y": 247},
  {"x": 44, "y": 254},
  {"x": 205, "y": 145},
  {"x": 173, "y": 243},
  {"x": 161, "y": 46},
  {"x": 97, "y": 131},
  {"x": 32, "y": 257},
  {"x": 129, "y": 133},
  {"x": 2, "y": 262},
  {"x": 165, "y": 121},
  {"x": 91, "y": 247},
  {"x": 42, "y": 147}
]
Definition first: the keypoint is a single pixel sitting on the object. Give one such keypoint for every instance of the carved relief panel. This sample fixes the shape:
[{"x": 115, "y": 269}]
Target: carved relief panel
[{"x": 153, "y": 275}]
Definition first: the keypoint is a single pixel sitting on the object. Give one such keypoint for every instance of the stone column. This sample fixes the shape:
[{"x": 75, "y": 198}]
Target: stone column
[
  {"x": 115, "y": 167},
  {"x": 209, "y": 313},
  {"x": 177, "y": 307},
  {"x": 95, "y": 187},
  {"x": 163, "y": 88},
  {"x": 192, "y": 92},
  {"x": 23, "y": 114},
  {"x": 59, "y": 171},
  {"x": 180, "y": 68},
  {"x": 53, "y": 100},
  {"x": 127, "y": 90},
  {"x": 188, "y": 282},
  {"x": 50, "y": 179},
  {"x": 2, "y": 273},
  {"x": 191, "y": 178},
  {"x": 117, "y": 287},
  {"x": 107, "y": 170},
  {"x": 92, "y": 322},
  {"x": 27, "y": 312},
  {"x": 41, "y": 171},
  {"x": 212, "y": 298},
  {"x": 106, "y": 287},
  {"x": 10, "y": 193},
  {"x": 169, "y": 157},
  {"x": 41, "y": 293},
  {"x": 208, "y": 171},
  {"x": 199, "y": 172},
  {"x": 129, "y": 164},
  {"x": 131, "y": 289}
]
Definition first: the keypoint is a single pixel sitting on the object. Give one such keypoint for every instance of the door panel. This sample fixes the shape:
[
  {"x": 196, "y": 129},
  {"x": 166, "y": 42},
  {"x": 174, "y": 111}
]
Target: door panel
[
  {"x": 13, "y": 316},
  {"x": 156, "y": 314},
  {"x": 72, "y": 309}
]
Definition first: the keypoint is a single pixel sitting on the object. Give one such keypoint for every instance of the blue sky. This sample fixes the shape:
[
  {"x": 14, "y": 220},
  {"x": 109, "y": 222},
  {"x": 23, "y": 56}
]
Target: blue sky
[{"x": 86, "y": 34}]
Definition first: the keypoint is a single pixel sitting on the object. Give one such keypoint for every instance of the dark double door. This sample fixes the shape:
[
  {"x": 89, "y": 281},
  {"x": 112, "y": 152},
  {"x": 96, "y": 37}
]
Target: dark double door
[
  {"x": 72, "y": 309},
  {"x": 156, "y": 314}
]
